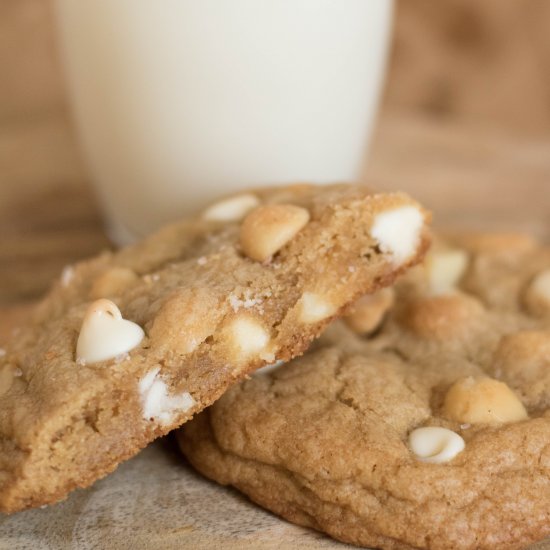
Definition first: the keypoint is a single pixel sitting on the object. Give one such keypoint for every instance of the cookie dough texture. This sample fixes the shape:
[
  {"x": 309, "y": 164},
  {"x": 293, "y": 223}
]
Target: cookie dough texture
[
  {"x": 210, "y": 314},
  {"x": 323, "y": 440}
]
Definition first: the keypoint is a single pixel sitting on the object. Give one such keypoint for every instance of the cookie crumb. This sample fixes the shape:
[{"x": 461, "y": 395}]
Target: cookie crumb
[
  {"x": 247, "y": 302},
  {"x": 122, "y": 357}
]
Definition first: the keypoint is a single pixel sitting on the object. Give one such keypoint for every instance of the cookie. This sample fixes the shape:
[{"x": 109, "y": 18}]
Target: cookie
[
  {"x": 423, "y": 421},
  {"x": 129, "y": 345}
]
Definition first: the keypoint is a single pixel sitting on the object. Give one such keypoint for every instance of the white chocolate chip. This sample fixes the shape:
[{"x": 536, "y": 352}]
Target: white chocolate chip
[
  {"x": 268, "y": 228},
  {"x": 398, "y": 232},
  {"x": 314, "y": 308},
  {"x": 482, "y": 401},
  {"x": 435, "y": 445},
  {"x": 248, "y": 336},
  {"x": 445, "y": 269},
  {"x": 105, "y": 334},
  {"x": 537, "y": 295},
  {"x": 232, "y": 209},
  {"x": 157, "y": 404},
  {"x": 2, "y": 352}
]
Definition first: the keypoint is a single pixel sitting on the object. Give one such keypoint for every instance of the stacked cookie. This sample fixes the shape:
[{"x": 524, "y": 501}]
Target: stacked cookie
[
  {"x": 421, "y": 421},
  {"x": 130, "y": 345}
]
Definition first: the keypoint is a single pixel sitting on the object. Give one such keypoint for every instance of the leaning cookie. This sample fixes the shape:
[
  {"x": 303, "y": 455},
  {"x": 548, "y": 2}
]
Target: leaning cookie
[
  {"x": 430, "y": 429},
  {"x": 130, "y": 345}
]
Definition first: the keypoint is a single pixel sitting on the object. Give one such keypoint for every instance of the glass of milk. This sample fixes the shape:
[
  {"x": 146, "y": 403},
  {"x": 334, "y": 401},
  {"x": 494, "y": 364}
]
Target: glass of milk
[{"x": 179, "y": 101}]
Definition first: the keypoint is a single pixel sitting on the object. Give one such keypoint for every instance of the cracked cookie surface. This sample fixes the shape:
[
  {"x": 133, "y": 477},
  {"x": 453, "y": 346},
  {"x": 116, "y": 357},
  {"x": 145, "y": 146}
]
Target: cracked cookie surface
[
  {"x": 327, "y": 440},
  {"x": 129, "y": 345}
]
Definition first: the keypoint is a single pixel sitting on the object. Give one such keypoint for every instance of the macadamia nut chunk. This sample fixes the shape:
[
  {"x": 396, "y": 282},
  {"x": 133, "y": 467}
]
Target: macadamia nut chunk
[
  {"x": 442, "y": 317},
  {"x": 445, "y": 269},
  {"x": 268, "y": 228},
  {"x": 537, "y": 295},
  {"x": 367, "y": 313},
  {"x": 482, "y": 401}
]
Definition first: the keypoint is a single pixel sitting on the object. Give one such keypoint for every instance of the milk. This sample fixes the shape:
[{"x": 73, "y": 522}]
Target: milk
[{"x": 179, "y": 101}]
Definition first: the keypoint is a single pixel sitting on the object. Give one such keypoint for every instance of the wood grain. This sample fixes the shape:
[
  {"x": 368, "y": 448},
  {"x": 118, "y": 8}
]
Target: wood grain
[{"x": 155, "y": 501}]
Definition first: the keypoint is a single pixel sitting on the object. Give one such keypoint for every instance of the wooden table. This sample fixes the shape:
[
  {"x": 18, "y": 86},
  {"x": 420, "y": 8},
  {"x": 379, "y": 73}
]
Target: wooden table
[{"x": 470, "y": 176}]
